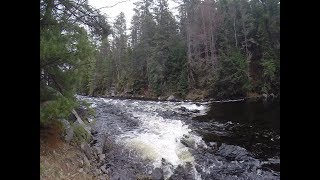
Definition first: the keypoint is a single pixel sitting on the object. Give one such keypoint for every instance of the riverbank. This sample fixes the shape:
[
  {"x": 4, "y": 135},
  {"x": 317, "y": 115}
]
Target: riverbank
[
  {"x": 191, "y": 98},
  {"x": 66, "y": 151}
]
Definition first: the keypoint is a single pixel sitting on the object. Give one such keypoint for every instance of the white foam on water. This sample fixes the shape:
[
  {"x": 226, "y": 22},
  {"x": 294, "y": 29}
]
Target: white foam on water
[
  {"x": 194, "y": 107},
  {"x": 202, "y": 108},
  {"x": 158, "y": 138}
]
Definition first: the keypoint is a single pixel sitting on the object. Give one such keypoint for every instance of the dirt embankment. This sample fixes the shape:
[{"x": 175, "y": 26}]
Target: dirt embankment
[{"x": 60, "y": 160}]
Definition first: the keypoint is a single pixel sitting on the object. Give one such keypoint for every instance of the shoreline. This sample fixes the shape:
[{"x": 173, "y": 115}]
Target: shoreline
[{"x": 263, "y": 97}]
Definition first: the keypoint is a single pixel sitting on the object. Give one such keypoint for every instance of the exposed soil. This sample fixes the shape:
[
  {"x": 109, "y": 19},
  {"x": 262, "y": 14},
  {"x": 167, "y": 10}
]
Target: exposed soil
[{"x": 59, "y": 160}]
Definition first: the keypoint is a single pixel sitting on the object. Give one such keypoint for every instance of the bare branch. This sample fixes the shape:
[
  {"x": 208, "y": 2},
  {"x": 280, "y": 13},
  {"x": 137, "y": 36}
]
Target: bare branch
[{"x": 114, "y": 4}]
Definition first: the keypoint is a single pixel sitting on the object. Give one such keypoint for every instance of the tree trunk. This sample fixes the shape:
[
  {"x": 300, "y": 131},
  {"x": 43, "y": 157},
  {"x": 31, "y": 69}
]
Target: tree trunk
[{"x": 235, "y": 31}]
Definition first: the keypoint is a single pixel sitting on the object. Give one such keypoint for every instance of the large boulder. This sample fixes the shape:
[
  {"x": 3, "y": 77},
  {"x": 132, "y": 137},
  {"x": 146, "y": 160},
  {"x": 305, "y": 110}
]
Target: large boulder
[
  {"x": 233, "y": 152},
  {"x": 80, "y": 121},
  {"x": 68, "y": 130},
  {"x": 188, "y": 142}
]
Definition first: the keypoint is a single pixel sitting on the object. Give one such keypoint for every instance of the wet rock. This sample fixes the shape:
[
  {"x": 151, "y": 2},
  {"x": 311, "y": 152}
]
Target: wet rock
[
  {"x": 213, "y": 144},
  {"x": 94, "y": 132},
  {"x": 123, "y": 175},
  {"x": 93, "y": 142},
  {"x": 183, "y": 109},
  {"x": 188, "y": 142},
  {"x": 157, "y": 174},
  {"x": 181, "y": 173},
  {"x": 274, "y": 161},
  {"x": 195, "y": 111},
  {"x": 232, "y": 152},
  {"x": 167, "y": 114}
]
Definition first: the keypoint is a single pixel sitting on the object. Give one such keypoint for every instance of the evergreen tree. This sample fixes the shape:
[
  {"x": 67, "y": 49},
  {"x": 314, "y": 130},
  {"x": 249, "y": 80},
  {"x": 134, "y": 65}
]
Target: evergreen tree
[{"x": 66, "y": 51}]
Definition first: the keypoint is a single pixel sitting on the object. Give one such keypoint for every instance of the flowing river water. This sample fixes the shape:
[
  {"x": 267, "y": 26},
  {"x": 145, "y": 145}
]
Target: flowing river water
[{"x": 188, "y": 140}]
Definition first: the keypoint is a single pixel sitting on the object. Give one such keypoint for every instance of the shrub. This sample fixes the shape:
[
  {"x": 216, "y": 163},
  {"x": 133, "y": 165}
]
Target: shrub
[{"x": 56, "y": 109}]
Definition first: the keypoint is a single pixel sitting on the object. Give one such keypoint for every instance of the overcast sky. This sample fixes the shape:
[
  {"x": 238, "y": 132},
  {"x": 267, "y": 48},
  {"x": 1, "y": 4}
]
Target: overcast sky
[{"x": 125, "y": 7}]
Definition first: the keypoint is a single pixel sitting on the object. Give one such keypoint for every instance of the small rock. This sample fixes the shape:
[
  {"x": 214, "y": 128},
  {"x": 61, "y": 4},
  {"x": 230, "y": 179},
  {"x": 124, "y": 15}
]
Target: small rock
[
  {"x": 87, "y": 150},
  {"x": 93, "y": 142},
  {"x": 183, "y": 109},
  {"x": 81, "y": 162},
  {"x": 103, "y": 177},
  {"x": 171, "y": 98},
  {"x": 195, "y": 111},
  {"x": 80, "y": 170},
  {"x": 264, "y": 96},
  {"x": 104, "y": 169},
  {"x": 94, "y": 132},
  {"x": 98, "y": 150},
  {"x": 115, "y": 177},
  {"x": 188, "y": 142},
  {"x": 214, "y": 145},
  {"x": 102, "y": 157},
  {"x": 86, "y": 161},
  {"x": 97, "y": 172}
]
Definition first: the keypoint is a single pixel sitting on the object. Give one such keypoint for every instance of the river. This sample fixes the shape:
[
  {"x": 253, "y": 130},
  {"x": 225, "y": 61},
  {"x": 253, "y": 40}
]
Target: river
[{"x": 188, "y": 140}]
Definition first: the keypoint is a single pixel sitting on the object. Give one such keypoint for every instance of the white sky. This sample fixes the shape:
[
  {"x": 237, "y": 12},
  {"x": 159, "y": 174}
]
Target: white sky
[{"x": 125, "y": 7}]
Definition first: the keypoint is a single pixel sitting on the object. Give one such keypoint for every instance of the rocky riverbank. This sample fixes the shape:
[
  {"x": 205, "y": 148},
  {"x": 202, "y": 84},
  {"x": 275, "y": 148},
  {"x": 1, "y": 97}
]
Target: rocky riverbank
[
  {"x": 73, "y": 149},
  {"x": 66, "y": 151}
]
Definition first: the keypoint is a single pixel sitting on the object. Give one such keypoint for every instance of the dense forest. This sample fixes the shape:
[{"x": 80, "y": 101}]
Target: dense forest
[{"x": 219, "y": 49}]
